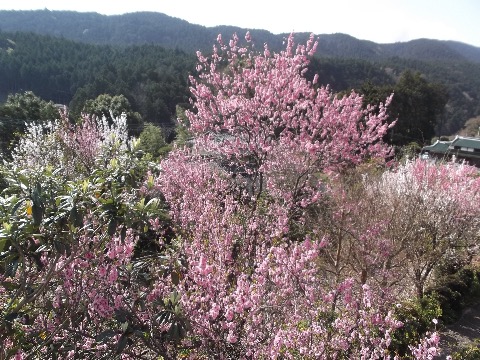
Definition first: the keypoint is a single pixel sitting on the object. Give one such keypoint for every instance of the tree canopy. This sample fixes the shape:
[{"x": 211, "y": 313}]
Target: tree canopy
[
  {"x": 19, "y": 110},
  {"x": 417, "y": 105}
]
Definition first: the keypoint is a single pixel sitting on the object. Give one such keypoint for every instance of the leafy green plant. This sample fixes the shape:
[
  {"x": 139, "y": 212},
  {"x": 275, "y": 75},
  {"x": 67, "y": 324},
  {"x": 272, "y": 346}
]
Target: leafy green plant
[
  {"x": 455, "y": 291},
  {"x": 468, "y": 352},
  {"x": 418, "y": 318}
]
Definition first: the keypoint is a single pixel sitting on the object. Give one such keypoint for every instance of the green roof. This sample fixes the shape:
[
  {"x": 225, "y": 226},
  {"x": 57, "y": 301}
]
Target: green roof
[
  {"x": 466, "y": 142},
  {"x": 443, "y": 147},
  {"x": 440, "y": 147}
]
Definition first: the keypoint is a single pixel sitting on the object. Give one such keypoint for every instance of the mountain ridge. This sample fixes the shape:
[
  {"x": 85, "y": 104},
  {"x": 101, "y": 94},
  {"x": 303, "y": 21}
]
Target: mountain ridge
[{"x": 172, "y": 32}]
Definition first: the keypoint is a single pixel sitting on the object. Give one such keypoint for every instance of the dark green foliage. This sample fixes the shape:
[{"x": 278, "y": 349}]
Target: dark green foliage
[
  {"x": 19, "y": 109},
  {"x": 152, "y": 79},
  {"x": 111, "y": 107},
  {"x": 172, "y": 314},
  {"x": 182, "y": 133},
  {"x": 460, "y": 80},
  {"x": 456, "y": 291},
  {"x": 152, "y": 141},
  {"x": 28, "y": 107},
  {"x": 468, "y": 352},
  {"x": 408, "y": 151},
  {"x": 346, "y": 74},
  {"x": 417, "y": 105},
  {"x": 416, "y": 316}
]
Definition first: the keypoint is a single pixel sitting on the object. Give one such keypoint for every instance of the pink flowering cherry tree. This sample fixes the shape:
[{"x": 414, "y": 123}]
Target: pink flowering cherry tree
[
  {"x": 395, "y": 230},
  {"x": 243, "y": 198},
  {"x": 431, "y": 216}
]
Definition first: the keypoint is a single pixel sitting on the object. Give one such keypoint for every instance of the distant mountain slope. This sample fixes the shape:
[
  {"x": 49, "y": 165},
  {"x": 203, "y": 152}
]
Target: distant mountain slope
[
  {"x": 425, "y": 50},
  {"x": 471, "y": 53},
  {"x": 156, "y": 28}
]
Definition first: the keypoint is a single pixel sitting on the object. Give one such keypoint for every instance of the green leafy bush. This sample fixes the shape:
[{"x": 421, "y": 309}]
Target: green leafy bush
[
  {"x": 456, "y": 291},
  {"x": 418, "y": 318},
  {"x": 468, "y": 352}
]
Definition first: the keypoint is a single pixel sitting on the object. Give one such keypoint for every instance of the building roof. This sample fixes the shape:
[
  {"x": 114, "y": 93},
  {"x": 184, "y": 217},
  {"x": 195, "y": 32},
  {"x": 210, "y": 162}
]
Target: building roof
[
  {"x": 442, "y": 147},
  {"x": 473, "y": 143},
  {"x": 439, "y": 147},
  {"x": 461, "y": 147}
]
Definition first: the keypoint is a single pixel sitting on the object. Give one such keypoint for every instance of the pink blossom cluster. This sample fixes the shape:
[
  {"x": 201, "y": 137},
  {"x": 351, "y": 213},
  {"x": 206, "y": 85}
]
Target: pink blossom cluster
[
  {"x": 428, "y": 348},
  {"x": 258, "y": 283}
]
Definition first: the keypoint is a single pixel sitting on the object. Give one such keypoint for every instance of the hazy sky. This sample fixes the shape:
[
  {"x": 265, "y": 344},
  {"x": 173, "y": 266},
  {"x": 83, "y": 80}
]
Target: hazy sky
[{"x": 382, "y": 21}]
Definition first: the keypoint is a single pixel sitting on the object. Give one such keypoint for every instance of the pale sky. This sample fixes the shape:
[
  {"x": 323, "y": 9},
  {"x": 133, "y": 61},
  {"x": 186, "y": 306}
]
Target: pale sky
[{"x": 382, "y": 21}]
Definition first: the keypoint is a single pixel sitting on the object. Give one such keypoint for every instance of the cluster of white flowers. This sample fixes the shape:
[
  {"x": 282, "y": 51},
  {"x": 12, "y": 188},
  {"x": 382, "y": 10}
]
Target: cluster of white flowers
[
  {"x": 57, "y": 145},
  {"x": 116, "y": 133},
  {"x": 39, "y": 147}
]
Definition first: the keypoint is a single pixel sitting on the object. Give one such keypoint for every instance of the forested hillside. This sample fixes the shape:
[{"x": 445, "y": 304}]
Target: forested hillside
[
  {"x": 156, "y": 28},
  {"x": 152, "y": 78},
  {"x": 147, "y": 57}
]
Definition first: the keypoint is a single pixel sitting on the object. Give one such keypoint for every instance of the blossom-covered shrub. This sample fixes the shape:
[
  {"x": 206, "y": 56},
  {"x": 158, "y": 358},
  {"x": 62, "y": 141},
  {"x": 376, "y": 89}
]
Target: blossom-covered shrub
[
  {"x": 74, "y": 281},
  {"x": 71, "y": 149}
]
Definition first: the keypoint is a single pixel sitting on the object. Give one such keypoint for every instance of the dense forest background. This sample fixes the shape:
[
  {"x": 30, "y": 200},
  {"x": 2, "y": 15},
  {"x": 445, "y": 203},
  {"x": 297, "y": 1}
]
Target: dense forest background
[{"x": 70, "y": 58}]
